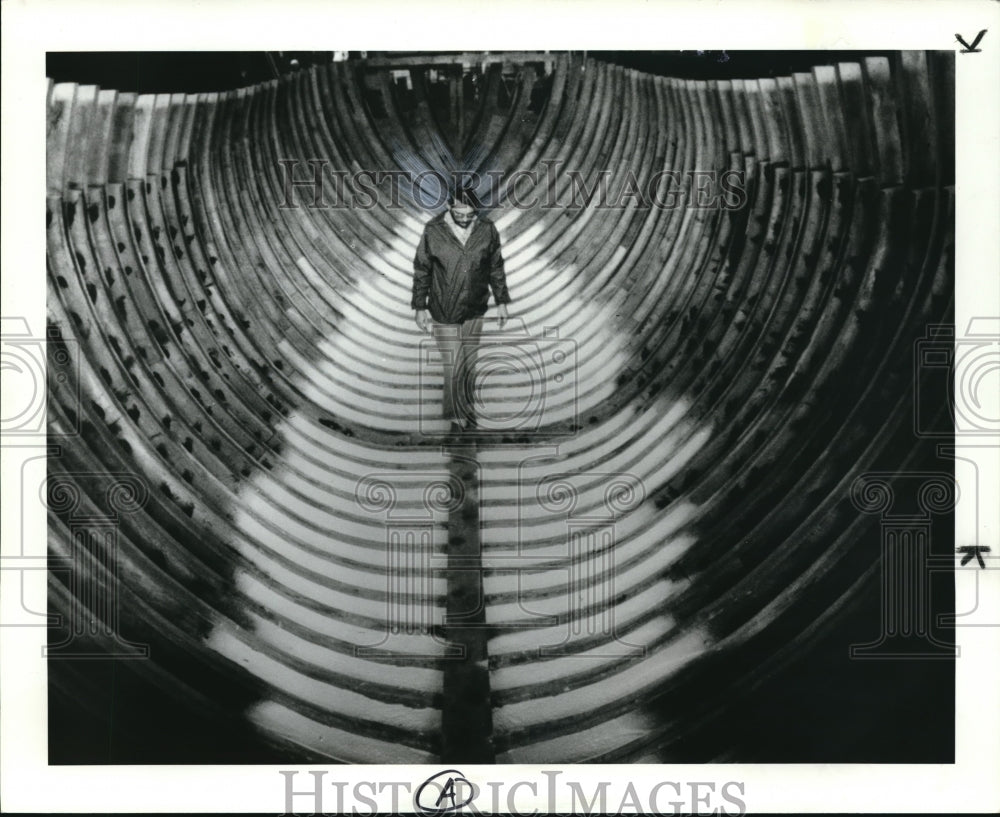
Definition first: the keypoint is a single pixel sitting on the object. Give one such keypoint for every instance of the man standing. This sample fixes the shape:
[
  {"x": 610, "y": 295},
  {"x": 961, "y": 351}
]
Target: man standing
[{"x": 458, "y": 263}]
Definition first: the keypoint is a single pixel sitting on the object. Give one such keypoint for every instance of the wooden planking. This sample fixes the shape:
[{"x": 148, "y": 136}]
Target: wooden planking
[{"x": 240, "y": 323}]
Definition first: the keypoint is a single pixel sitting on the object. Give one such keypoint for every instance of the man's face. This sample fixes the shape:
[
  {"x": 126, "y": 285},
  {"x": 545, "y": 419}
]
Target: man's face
[{"x": 463, "y": 214}]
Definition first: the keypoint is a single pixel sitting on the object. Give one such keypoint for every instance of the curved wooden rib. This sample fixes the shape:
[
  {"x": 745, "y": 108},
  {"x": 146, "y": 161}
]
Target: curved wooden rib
[{"x": 736, "y": 368}]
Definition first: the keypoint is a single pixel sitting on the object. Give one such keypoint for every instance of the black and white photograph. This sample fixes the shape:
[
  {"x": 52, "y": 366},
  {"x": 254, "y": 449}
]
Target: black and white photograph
[{"x": 433, "y": 411}]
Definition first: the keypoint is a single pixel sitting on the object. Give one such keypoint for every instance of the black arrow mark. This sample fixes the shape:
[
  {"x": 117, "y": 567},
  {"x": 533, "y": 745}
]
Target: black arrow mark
[
  {"x": 971, "y": 49},
  {"x": 971, "y": 551}
]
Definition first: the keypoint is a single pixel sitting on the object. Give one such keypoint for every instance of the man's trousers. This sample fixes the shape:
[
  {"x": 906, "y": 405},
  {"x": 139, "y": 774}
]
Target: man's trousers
[{"x": 457, "y": 344}]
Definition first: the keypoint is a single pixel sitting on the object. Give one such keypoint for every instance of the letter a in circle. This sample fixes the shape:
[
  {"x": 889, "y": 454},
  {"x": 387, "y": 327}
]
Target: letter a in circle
[{"x": 449, "y": 792}]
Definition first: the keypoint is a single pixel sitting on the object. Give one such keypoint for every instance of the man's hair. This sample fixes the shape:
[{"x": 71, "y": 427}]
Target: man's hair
[{"x": 464, "y": 195}]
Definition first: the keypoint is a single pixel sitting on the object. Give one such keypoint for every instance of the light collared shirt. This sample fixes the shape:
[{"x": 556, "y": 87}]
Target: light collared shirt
[{"x": 461, "y": 233}]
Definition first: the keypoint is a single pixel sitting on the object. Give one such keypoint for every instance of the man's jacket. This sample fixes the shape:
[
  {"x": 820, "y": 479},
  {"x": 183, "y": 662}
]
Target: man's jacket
[{"x": 453, "y": 281}]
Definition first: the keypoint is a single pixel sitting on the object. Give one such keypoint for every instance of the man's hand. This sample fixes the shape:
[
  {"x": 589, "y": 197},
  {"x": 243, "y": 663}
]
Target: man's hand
[
  {"x": 424, "y": 320},
  {"x": 502, "y": 314}
]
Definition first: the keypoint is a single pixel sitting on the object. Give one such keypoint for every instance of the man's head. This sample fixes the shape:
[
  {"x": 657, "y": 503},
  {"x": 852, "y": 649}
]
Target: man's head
[{"x": 463, "y": 206}]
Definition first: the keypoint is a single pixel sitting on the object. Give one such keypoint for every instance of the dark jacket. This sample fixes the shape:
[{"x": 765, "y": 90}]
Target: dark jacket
[{"x": 453, "y": 281}]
